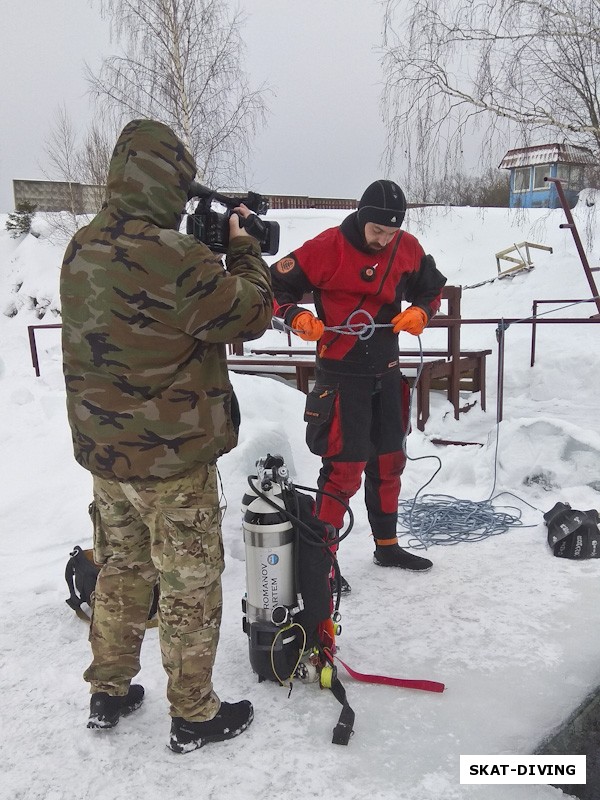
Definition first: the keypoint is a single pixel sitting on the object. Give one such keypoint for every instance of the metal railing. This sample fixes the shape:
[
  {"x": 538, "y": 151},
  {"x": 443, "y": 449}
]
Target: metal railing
[
  {"x": 535, "y": 321},
  {"x": 31, "y": 329}
]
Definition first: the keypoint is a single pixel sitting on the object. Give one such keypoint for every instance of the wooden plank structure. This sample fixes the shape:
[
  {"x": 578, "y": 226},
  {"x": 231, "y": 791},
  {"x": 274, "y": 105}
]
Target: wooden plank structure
[{"x": 520, "y": 262}]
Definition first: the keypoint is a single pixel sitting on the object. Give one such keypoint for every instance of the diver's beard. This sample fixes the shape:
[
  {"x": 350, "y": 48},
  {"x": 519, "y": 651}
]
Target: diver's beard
[{"x": 374, "y": 249}]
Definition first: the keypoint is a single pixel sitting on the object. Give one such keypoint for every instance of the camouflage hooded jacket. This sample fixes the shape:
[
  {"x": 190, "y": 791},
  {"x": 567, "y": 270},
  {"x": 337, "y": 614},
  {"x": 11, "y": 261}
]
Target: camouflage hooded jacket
[{"x": 146, "y": 313}]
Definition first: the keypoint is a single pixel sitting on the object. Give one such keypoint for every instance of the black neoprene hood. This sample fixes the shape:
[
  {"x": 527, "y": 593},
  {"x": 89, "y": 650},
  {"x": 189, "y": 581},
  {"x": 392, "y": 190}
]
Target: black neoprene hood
[{"x": 384, "y": 203}]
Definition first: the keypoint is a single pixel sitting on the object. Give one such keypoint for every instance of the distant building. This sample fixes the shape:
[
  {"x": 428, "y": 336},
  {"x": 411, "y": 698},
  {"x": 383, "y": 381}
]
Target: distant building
[
  {"x": 78, "y": 198},
  {"x": 529, "y": 166}
]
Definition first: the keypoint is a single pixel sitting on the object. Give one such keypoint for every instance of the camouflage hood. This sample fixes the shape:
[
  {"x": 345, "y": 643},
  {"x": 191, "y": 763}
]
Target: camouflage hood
[{"x": 149, "y": 173}]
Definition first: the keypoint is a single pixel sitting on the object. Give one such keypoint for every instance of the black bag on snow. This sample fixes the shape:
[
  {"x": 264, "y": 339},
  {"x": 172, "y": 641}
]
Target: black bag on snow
[
  {"x": 573, "y": 534},
  {"x": 81, "y": 574}
]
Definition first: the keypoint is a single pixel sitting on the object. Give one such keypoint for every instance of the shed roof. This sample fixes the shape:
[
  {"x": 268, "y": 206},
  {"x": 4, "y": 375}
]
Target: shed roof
[{"x": 547, "y": 154}]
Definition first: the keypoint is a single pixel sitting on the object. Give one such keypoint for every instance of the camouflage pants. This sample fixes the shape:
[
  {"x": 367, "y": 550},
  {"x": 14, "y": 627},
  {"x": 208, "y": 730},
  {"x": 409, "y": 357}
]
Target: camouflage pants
[{"x": 167, "y": 530}]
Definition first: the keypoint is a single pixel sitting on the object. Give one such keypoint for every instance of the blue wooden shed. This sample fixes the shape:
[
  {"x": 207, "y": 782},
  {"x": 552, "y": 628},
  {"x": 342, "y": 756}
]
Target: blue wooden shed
[{"x": 530, "y": 165}]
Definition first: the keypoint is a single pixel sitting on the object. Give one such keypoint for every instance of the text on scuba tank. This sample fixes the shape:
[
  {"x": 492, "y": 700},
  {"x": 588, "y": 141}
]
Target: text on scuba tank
[{"x": 270, "y": 593}]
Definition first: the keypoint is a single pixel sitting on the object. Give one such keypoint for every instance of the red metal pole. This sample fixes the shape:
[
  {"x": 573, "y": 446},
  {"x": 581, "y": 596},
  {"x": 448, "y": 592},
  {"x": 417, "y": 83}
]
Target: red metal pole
[
  {"x": 33, "y": 349},
  {"x": 534, "y": 314},
  {"x": 573, "y": 228},
  {"x": 500, "y": 334}
]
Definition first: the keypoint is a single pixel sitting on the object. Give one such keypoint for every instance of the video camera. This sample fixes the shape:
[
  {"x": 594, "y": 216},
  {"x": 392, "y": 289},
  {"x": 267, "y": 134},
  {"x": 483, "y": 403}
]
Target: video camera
[{"x": 210, "y": 225}]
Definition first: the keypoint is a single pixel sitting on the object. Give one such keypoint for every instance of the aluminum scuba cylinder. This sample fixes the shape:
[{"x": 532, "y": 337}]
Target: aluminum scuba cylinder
[{"x": 271, "y": 599}]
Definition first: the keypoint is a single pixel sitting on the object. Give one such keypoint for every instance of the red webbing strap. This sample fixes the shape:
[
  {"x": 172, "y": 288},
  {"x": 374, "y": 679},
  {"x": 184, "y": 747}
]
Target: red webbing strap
[{"x": 426, "y": 686}]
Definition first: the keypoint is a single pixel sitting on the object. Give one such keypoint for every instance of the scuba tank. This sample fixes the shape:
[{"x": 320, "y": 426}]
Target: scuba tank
[
  {"x": 289, "y": 615},
  {"x": 270, "y": 600}
]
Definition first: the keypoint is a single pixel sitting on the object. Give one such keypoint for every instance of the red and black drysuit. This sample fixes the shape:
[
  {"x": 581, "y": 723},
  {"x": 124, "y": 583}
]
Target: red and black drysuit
[{"x": 357, "y": 412}]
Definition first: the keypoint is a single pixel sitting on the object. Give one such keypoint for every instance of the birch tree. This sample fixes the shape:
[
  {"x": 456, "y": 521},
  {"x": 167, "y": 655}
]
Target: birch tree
[
  {"x": 81, "y": 165},
  {"x": 181, "y": 63},
  {"x": 456, "y": 69},
  {"x": 93, "y": 157},
  {"x": 62, "y": 157}
]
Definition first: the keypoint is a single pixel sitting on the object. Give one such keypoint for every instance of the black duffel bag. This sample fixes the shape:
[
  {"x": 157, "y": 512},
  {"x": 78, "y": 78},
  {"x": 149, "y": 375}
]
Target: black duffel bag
[{"x": 573, "y": 534}]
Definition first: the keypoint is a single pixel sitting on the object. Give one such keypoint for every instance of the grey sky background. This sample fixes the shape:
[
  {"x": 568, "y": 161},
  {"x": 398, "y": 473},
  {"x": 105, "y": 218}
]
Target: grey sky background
[{"x": 324, "y": 135}]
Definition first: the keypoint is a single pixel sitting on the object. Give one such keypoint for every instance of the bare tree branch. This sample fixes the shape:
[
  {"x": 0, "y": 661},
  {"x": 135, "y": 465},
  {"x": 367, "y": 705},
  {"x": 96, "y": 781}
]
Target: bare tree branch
[
  {"x": 181, "y": 64},
  {"x": 79, "y": 166},
  {"x": 518, "y": 66}
]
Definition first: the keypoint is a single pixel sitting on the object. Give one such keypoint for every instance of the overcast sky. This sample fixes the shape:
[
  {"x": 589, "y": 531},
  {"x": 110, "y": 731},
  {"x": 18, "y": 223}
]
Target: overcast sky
[{"x": 324, "y": 135}]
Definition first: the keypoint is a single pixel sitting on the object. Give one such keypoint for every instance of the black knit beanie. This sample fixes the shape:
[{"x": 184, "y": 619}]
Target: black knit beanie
[{"x": 383, "y": 203}]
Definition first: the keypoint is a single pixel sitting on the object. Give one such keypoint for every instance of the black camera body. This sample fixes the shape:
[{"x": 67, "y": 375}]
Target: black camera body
[{"x": 211, "y": 226}]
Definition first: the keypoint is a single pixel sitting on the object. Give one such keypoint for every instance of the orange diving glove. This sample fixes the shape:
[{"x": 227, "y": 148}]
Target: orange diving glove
[
  {"x": 307, "y": 326},
  {"x": 412, "y": 320}
]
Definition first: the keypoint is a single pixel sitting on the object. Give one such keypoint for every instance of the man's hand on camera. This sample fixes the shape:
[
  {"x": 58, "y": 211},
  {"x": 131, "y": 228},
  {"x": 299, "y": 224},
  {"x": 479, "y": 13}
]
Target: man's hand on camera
[{"x": 234, "y": 221}]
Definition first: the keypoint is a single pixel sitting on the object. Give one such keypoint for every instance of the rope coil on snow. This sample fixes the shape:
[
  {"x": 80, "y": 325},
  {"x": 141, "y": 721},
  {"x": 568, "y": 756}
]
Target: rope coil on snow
[{"x": 445, "y": 520}]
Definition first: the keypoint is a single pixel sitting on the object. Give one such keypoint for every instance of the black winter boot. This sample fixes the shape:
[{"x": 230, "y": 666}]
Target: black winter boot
[
  {"x": 106, "y": 709},
  {"x": 392, "y": 555},
  {"x": 230, "y": 720}
]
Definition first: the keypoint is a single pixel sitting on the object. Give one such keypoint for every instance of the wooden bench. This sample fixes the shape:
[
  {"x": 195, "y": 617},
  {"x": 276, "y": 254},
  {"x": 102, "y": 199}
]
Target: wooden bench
[{"x": 470, "y": 367}]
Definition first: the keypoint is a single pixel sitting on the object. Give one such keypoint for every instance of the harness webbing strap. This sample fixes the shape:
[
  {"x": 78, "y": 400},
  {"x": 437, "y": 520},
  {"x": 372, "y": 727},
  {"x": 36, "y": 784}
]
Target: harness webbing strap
[
  {"x": 345, "y": 724},
  {"x": 426, "y": 686}
]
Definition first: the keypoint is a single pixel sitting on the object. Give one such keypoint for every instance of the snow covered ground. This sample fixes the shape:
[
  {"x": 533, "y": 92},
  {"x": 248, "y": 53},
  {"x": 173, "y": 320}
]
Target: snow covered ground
[{"x": 511, "y": 630}]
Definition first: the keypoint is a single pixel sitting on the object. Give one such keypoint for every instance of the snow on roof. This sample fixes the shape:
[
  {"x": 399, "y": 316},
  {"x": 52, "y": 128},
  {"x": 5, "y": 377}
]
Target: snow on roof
[{"x": 547, "y": 154}]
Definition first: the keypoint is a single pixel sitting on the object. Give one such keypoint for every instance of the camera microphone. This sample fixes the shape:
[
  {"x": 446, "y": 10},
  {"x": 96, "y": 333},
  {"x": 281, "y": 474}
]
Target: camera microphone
[{"x": 197, "y": 190}]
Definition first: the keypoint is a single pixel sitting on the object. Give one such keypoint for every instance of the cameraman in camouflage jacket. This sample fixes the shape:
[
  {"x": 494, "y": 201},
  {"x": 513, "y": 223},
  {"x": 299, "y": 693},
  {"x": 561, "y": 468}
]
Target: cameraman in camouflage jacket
[{"x": 147, "y": 312}]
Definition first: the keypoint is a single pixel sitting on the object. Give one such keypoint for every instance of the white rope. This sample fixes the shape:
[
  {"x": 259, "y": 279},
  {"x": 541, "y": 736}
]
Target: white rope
[{"x": 363, "y": 329}]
